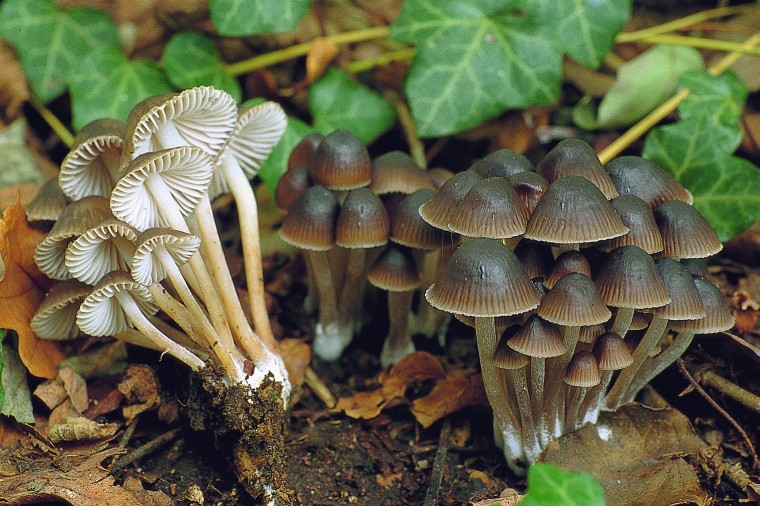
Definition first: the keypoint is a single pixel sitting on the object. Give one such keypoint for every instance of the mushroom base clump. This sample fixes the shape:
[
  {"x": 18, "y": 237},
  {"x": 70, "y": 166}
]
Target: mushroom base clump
[{"x": 252, "y": 424}]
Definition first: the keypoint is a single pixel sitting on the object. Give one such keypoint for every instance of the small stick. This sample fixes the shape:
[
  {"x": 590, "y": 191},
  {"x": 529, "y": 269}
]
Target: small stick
[
  {"x": 142, "y": 451},
  {"x": 319, "y": 388},
  {"x": 732, "y": 390},
  {"x": 439, "y": 464}
]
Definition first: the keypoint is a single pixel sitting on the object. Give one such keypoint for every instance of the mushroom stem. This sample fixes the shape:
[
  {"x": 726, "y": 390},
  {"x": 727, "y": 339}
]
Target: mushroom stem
[
  {"x": 350, "y": 298},
  {"x": 554, "y": 400},
  {"x": 595, "y": 396},
  {"x": 576, "y": 398},
  {"x": 428, "y": 320},
  {"x": 398, "y": 343},
  {"x": 331, "y": 335},
  {"x": 623, "y": 319},
  {"x": 537, "y": 375},
  {"x": 165, "y": 344},
  {"x": 654, "y": 333},
  {"x": 655, "y": 365}
]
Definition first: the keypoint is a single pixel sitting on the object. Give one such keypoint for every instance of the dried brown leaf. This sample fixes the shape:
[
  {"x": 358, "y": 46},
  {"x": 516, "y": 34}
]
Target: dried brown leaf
[
  {"x": 141, "y": 389},
  {"x": 62, "y": 412},
  {"x": 14, "y": 90},
  {"x": 297, "y": 357},
  {"x": 75, "y": 388},
  {"x": 51, "y": 393},
  {"x": 134, "y": 486},
  {"x": 321, "y": 53},
  {"x": 456, "y": 391}
]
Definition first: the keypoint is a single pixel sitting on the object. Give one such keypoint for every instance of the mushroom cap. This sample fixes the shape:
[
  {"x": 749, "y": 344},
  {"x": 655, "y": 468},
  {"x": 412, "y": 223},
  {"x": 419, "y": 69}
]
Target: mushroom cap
[
  {"x": 589, "y": 333},
  {"x": 304, "y": 150},
  {"x": 491, "y": 209},
  {"x": 686, "y": 303},
  {"x": 291, "y": 185},
  {"x": 567, "y": 262},
  {"x": 574, "y": 301},
  {"x": 529, "y": 187},
  {"x": 341, "y": 162},
  {"x": 685, "y": 233},
  {"x": 640, "y": 320},
  {"x": 571, "y": 211},
  {"x": 92, "y": 165},
  {"x": 574, "y": 157},
  {"x": 505, "y": 357},
  {"x": 538, "y": 338},
  {"x": 642, "y": 228},
  {"x": 500, "y": 322},
  {"x": 75, "y": 220},
  {"x": 394, "y": 271},
  {"x": 363, "y": 221},
  {"x": 438, "y": 176},
  {"x": 146, "y": 269},
  {"x": 483, "y": 278},
  {"x": 611, "y": 352},
  {"x": 48, "y": 204},
  {"x": 257, "y": 131},
  {"x": 439, "y": 210},
  {"x": 185, "y": 170},
  {"x": 202, "y": 117},
  {"x": 718, "y": 318},
  {"x": 101, "y": 314},
  {"x": 640, "y": 177},
  {"x": 502, "y": 163},
  {"x": 536, "y": 257},
  {"x": 310, "y": 222},
  {"x": 628, "y": 278},
  {"x": 409, "y": 229},
  {"x": 582, "y": 371},
  {"x": 56, "y": 316},
  {"x": 396, "y": 172},
  {"x": 96, "y": 253}
]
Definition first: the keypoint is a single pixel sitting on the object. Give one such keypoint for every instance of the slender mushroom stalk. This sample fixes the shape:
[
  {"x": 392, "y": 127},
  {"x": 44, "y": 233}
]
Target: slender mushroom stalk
[{"x": 582, "y": 373}]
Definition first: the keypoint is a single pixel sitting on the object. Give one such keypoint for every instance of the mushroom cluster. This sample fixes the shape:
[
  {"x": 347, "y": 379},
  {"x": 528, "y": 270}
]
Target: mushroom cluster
[
  {"x": 571, "y": 275},
  {"x": 134, "y": 233}
]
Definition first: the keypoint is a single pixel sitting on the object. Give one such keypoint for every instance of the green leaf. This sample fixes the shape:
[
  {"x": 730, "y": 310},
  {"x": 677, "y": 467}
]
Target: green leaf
[
  {"x": 248, "y": 17},
  {"x": 51, "y": 43},
  {"x": 192, "y": 59},
  {"x": 474, "y": 60},
  {"x": 586, "y": 29},
  {"x": 277, "y": 162},
  {"x": 642, "y": 84},
  {"x": 17, "y": 164},
  {"x": 337, "y": 101},
  {"x": 111, "y": 85},
  {"x": 17, "y": 401},
  {"x": 551, "y": 486}
]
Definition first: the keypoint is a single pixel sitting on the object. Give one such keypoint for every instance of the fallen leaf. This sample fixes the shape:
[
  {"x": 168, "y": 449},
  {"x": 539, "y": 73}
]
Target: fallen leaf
[
  {"x": 75, "y": 388},
  {"x": 485, "y": 478},
  {"x": 18, "y": 400},
  {"x": 17, "y": 165},
  {"x": 141, "y": 390},
  {"x": 109, "y": 359},
  {"x": 62, "y": 412},
  {"x": 21, "y": 291},
  {"x": 14, "y": 90},
  {"x": 79, "y": 428},
  {"x": 456, "y": 391},
  {"x": 51, "y": 393},
  {"x": 134, "y": 486},
  {"x": 321, "y": 53},
  {"x": 508, "y": 497},
  {"x": 636, "y": 454}
]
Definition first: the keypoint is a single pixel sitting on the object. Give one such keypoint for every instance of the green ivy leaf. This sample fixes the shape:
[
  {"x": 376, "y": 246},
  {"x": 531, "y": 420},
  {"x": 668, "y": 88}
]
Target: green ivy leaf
[
  {"x": 642, "y": 84},
  {"x": 551, "y": 486},
  {"x": 248, "y": 17},
  {"x": 51, "y": 43},
  {"x": 698, "y": 152},
  {"x": 586, "y": 29},
  {"x": 337, "y": 101},
  {"x": 277, "y": 162},
  {"x": 112, "y": 85},
  {"x": 474, "y": 60},
  {"x": 192, "y": 59}
]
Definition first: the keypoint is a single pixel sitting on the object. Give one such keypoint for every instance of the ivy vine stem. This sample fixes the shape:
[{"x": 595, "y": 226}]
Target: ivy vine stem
[
  {"x": 701, "y": 43},
  {"x": 53, "y": 122},
  {"x": 680, "y": 23}
]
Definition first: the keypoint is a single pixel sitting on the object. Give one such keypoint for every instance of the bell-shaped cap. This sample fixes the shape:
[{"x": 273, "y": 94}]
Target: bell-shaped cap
[
  {"x": 567, "y": 262},
  {"x": 56, "y": 316},
  {"x": 100, "y": 250},
  {"x": 102, "y": 315},
  {"x": 396, "y": 172},
  {"x": 574, "y": 211},
  {"x": 146, "y": 268},
  {"x": 686, "y": 303},
  {"x": 483, "y": 278},
  {"x": 574, "y": 301},
  {"x": 628, "y": 278},
  {"x": 439, "y": 175},
  {"x": 341, "y": 162},
  {"x": 439, "y": 210},
  {"x": 640, "y": 177},
  {"x": 685, "y": 233},
  {"x": 502, "y": 163},
  {"x": 310, "y": 222},
  {"x": 304, "y": 150},
  {"x": 642, "y": 228},
  {"x": 536, "y": 257},
  {"x": 92, "y": 165},
  {"x": 582, "y": 371},
  {"x": 505, "y": 357},
  {"x": 363, "y": 221},
  {"x": 611, "y": 352},
  {"x": 202, "y": 117},
  {"x": 529, "y": 187},
  {"x": 409, "y": 229},
  {"x": 574, "y": 157},
  {"x": 538, "y": 338},
  {"x": 394, "y": 270},
  {"x": 186, "y": 171},
  {"x": 718, "y": 318},
  {"x": 48, "y": 204},
  {"x": 589, "y": 333},
  {"x": 291, "y": 185},
  {"x": 490, "y": 209}
]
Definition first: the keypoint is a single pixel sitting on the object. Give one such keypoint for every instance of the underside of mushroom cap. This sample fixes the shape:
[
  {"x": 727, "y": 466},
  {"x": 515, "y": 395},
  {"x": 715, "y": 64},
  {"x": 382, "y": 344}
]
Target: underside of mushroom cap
[
  {"x": 95, "y": 253},
  {"x": 147, "y": 270},
  {"x": 56, "y": 316}
]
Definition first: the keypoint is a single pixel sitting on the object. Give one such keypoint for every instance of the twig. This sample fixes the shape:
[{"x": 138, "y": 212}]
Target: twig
[
  {"x": 680, "y": 23},
  {"x": 439, "y": 464},
  {"x": 365, "y": 64},
  {"x": 702, "y": 43},
  {"x": 319, "y": 388},
  {"x": 719, "y": 409},
  {"x": 142, "y": 451},
  {"x": 745, "y": 398},
  {"x": 416, "y": 147},
  {"x": 53, "y": 122},
  {"x": 128, "y": 433}
]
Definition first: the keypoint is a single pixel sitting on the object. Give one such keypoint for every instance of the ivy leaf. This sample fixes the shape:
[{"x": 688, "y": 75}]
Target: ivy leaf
[
  {"x": 238, "y": 17},
  {"x": 112, "y": 85},
  {"x": 337, "y": 101},
  {"x": 586, "y": 29},
  {"x": 474, "y": 60},
  {"x": 192, "y": 59},
  {"x": 548, "y": 484},
  {"x": 698, "y": 149},
  {"x": 277, "y": 162},
  {"x": 51, "y": 43}
]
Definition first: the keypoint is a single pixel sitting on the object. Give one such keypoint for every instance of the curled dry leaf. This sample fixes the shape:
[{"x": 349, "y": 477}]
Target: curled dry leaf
[
  {"x": 457, "y": 390},
  {"x": 297, "y": 357},
  {"x": 141, "y": 390},
  {"x": 79, "y": 428},
  {"x": 14, "y": 90},
  {"x": 22, "y": 290}
]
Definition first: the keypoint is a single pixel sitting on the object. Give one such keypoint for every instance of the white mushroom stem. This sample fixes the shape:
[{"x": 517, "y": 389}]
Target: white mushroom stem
[
  {"x": 537, "y": 375},
  {"x": 350, "y": 298},
  {"x": 165, "y": 344},
  {"x": 398, "y": 343},
  {"x": 654, "y": 333},
  {"x": 576, "y": 397},
  {"x": 554, "y": 399},
  {"x": 331, "y": 335},
  {"x": 595, "y": 396}
]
